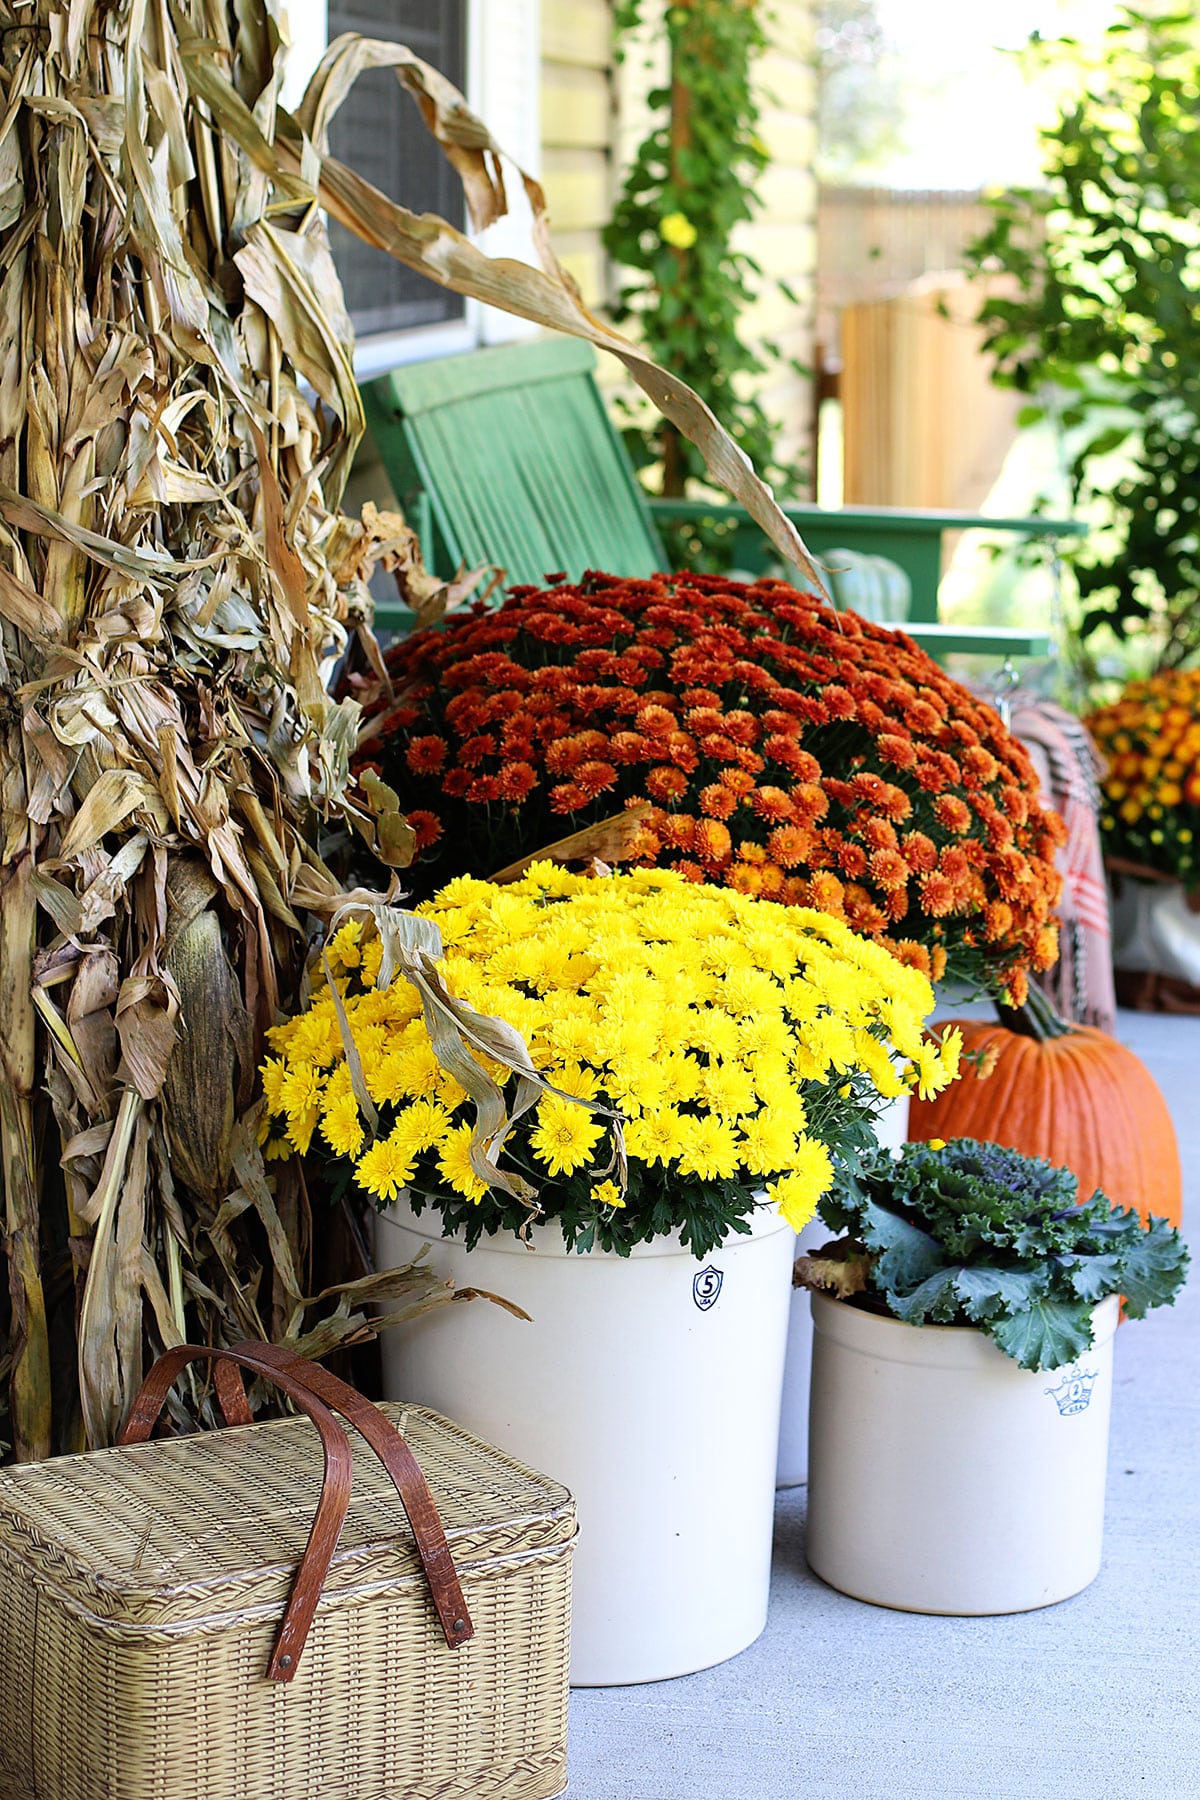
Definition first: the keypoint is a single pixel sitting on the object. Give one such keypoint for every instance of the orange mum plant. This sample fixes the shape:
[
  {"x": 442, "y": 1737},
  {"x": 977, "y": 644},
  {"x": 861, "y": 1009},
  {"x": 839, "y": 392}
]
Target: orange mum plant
[
  {"x": 785, "y": 750},
  {"x": 1151, "y": 737}
]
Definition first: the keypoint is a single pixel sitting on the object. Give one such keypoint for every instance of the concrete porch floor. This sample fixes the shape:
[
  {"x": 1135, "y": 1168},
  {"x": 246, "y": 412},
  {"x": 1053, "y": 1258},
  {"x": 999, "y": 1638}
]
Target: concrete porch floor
[{"x": 1099, "y": 1695}]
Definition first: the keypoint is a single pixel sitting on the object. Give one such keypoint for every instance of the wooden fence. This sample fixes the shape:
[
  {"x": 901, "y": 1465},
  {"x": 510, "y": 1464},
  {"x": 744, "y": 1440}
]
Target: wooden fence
[{"x": 923, "y": 425}]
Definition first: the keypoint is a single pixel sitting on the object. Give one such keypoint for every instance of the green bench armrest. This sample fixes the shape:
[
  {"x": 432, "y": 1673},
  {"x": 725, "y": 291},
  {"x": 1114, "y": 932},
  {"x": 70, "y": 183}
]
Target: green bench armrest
[
  {"x": 977, "y": 640},
  {"x": 911, "y": 539}
]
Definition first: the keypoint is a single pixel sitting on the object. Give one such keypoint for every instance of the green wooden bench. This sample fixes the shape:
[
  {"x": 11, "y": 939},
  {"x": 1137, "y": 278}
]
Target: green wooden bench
[{"x": 508, "y": 456}]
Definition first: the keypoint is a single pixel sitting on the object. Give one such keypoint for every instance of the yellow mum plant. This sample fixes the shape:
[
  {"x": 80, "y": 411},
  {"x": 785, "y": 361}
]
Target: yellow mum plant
[{"x": 699, "y": 1047}]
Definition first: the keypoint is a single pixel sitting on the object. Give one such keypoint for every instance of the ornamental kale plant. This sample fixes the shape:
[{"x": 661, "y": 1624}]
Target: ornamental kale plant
[{"x": 968, "y": 1233}]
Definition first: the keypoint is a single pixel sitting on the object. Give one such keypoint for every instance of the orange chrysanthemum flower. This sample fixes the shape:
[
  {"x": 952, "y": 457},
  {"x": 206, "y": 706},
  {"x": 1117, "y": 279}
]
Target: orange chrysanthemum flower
[
  {"x": 862, "y": 912},
  {"x": 567, "y": 797},
  {"x": 427, "y": 827},
  {"x": 515, "y": 780},
  {"x": 997, "y": 921},
  {"x": 894, "y": 803},
  {"x": 677, "y": 830},
  {"x": 564, "y": 755},
  {"x": 667, "y": 784},
  {"x": 907, "y": 950},
  {"x": 919, "y": 851},
  {"x": 717, "y": 801},
  {"x": 655, "y": 721},
  {"x": 954, "y": 865},
  {"x": 772, "y": 804},
  {"x": 898, "y": 751},
  {"x": 888, "y": 869},
  {"x": 937, "y": 894},
  {"x": 746, "y": 879},
  {"x": 978, "y": 765},
  {"x": 595, "y": 777},
  {"x": 879, "y": 834},
  {"x": 627, "y": 747},
  {"x": 952, "y": 812},
  {"x": 826, "y": 894},
  {"x": 789, "y": 845},
  {"x": 811, "y": 803},
  {"x": 712, "y": 842},
  {"x": 426, "y": 755}
]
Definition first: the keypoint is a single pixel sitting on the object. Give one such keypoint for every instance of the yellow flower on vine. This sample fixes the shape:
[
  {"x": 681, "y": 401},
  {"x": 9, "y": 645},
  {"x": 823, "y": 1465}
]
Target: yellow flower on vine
[{"x": 677, "y": 230}]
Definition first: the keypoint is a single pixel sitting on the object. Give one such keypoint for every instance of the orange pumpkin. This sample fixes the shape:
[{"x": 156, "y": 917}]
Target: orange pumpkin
[{"x": 1082, "y": 1100}]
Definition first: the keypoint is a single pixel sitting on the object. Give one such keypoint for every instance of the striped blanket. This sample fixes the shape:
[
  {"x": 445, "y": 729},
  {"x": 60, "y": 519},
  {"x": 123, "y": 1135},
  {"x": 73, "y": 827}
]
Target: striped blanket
[{"x": 1081, "y": 982}]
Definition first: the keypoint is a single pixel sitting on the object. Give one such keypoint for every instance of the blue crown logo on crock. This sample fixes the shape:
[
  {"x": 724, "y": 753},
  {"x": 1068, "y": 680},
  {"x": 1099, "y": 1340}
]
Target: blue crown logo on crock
[{"x": 1074, "y": 1392}]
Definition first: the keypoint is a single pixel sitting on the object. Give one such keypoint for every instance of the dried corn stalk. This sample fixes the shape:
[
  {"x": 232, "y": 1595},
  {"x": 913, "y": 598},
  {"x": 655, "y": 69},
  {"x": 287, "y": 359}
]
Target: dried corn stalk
[{"x": 175, "y": 578}]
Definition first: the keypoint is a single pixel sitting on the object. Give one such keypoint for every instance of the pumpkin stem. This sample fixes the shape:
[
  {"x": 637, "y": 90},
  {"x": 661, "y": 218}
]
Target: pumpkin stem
[{"x": 1038, "y": 1018}]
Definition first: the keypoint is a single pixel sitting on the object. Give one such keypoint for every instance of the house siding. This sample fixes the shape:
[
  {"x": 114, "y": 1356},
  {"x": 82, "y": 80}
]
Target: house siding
[
  {"x": 577, "y": 135},
  {"x": 782, "y": 238}
]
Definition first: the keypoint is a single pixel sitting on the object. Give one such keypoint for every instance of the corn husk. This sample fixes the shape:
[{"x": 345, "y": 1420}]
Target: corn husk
[{"x": 178, "y": 415}]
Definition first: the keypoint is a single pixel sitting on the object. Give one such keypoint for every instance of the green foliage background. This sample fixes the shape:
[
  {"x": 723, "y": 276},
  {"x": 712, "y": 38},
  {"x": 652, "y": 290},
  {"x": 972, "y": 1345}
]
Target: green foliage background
[{"x": 1102, "y": 328}]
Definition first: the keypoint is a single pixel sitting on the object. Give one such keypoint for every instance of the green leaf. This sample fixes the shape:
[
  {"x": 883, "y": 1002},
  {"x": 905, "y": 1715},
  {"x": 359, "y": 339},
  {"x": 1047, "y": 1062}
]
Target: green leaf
[
  {"x": 935, "y": 1299},
  {"x": 1093, "y": 1277},
  {"x": 1051, "y": 1333},
  {"x": 905, "y": 1255},
  {"x": 1153, "y": 1269},
  {"x": 986, "y": 1292}
]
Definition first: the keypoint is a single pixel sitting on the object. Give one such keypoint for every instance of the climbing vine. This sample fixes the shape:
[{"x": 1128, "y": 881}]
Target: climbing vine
[{"x": 692, "y": 183}]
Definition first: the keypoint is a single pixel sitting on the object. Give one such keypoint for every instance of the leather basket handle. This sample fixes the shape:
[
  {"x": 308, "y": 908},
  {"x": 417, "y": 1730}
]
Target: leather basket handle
[{"x": 315, "y": 1391}]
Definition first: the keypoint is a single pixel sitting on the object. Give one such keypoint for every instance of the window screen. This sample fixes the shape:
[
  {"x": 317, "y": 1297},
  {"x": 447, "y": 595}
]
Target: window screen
[{"x": 379, "y": 133}]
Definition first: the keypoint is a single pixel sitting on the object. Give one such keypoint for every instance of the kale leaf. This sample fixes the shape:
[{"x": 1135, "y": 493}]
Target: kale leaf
[{"x": 973, "y": 1233}]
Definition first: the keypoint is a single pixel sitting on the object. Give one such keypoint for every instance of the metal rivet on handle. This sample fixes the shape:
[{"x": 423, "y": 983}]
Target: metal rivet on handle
[
  {"x": 459, "y": 1625},
  {"x": 285, "y": 1662}
]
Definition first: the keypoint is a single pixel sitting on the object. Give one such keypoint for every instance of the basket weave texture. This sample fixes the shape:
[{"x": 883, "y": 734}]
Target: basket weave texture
[{"x": 141, "y": 1589}]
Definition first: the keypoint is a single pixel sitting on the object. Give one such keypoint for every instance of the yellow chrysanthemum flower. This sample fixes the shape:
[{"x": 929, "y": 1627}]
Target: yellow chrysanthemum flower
[
  {"x": 709, "y": 1149},
  {"x": 421, "y": 1125},
  {"x": 454, "y": 1164},
  {"x": 656, "y": 1137},
  {"x": 343, "y": 948},
  {"x": 796, "y": 1194},
  {"x": 386, "y": 1168},
  {"x": 565, "y": 1136},
  {"x": 768, "y": 1142}
]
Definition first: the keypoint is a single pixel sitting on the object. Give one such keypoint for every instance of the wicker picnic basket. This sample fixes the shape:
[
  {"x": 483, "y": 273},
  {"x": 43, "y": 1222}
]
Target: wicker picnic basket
[{"x": 142, "y": 1591}]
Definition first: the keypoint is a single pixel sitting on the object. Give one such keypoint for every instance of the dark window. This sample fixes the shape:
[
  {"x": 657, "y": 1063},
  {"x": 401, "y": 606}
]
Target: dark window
[{"x": 379, "y": 133}]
